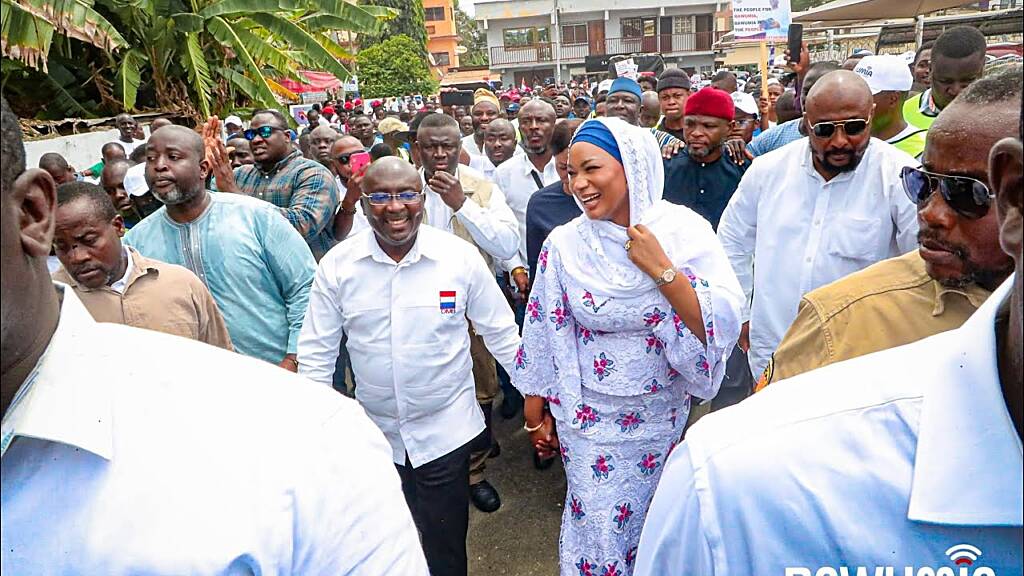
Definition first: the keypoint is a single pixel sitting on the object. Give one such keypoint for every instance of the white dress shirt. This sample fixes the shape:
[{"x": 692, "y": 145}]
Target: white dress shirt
[
  {"x": 886, "y": 460},
  {"x": 515, "y": 176},
  {"x": 494, "y": 229},
  {"x": 407, "y": 338},
  {"x": 137, "y": 452},
  {"x": 121, "y": 283},
  {"x": 469, "y": 145},
  {"x": 787, "y": 231},
  {"x": 483, "y": 165}
]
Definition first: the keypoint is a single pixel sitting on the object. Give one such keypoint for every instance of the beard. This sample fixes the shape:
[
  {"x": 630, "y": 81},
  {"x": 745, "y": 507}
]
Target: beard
[
  {"x": 176, "y": 196},
  {"x": 855, "y": 157},
  {"x": 972, "y": 272}
]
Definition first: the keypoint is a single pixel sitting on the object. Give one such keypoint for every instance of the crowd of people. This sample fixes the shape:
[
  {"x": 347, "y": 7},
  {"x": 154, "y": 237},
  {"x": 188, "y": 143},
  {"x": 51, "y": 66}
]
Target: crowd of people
[{"x": 613, "y": 262}]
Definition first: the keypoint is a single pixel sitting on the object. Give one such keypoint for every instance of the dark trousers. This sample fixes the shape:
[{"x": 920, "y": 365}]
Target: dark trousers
[{"x": 438, "y": 496}]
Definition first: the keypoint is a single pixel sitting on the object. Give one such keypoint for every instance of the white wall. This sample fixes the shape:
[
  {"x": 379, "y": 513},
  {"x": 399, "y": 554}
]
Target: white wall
[{"x": 80, "y": 150}]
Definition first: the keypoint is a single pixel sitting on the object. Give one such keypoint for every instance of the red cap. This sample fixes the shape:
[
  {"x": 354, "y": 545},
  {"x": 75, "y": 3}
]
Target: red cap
[
  {"x": 358, "y": 102},
  {"x": 376, "y": 104},
  {"x": 711, "y": 101},
  {"x": 348, "y": 105},
  {"x": 329, "y": 110}
]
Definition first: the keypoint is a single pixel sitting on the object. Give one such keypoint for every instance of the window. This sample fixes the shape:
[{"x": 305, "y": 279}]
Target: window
[
  {"x": 431, "y": 30},
  {"x": 441, "y": 58},
  {"x": 433, "y": 14},
  {"x": 637, "y": 27},
  {"x": 523, "y": 37},
  {"x": 682, "y": 24},
  {"x": 574, "y": 34}
]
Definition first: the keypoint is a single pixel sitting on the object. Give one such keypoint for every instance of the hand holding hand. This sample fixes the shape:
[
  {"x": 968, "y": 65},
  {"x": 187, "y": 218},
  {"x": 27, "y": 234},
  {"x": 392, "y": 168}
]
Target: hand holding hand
[
  {"x": 646, "y": 252},
  {"x": 449, "y": 188},
  {"x": 545, "y": 440},
  {"x": 744, "y": 341}
]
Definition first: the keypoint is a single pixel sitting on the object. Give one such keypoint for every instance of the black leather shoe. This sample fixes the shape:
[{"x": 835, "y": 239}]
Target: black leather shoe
[
  {"x": 511, "y": 405},
  {"x": 542, "y": 464},
  {"x": 495, "y": 449},
  {"x": 484, "y": 496}
]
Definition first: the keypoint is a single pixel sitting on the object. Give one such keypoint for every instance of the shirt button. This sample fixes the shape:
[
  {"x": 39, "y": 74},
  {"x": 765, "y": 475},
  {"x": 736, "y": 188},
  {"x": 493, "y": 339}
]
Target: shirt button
[
  {"x": 807, "y": 260},
  {"x": 701, "y": 191},
  {"x": 817, "y": 222}
]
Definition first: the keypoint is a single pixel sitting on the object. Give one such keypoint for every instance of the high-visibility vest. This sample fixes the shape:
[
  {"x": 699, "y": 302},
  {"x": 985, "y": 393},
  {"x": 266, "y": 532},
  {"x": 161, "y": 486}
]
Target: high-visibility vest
[
  {"x": 913, "y": 115},
  {"x": 913, "y": 144}
]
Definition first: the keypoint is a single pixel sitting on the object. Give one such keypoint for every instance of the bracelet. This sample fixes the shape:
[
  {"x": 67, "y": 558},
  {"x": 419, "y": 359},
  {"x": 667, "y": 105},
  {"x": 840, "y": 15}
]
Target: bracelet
[
  {"x": 350, "y": 212},
  {"x": 518, "y": 269},
  {"x": 526, "y": 426}
]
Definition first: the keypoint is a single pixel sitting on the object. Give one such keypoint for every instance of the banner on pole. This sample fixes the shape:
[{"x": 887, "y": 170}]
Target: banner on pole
[{"x": 759, "y": 20}]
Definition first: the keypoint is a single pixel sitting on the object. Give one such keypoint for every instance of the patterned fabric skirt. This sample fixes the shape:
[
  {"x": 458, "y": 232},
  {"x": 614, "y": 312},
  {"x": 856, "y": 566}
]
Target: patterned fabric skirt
[{"x": 612, "y": 466}]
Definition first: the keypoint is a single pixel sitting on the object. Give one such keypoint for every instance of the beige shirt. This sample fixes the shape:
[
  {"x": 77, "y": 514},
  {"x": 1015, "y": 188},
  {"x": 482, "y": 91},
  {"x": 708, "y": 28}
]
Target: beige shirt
[
  {"x": 157, "y": 296},
  {"x": 891, "y": 303}
]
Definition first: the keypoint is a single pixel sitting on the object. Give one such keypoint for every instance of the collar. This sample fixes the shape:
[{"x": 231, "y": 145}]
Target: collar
[
  {"x": 967, "y": 470},
  {"x": 528, "y": 167},
  {"x": 423, "y": 246},
  {"x": 67, "y": 398},
  {"x": 927, "y": 104},
  {"x": 280, "y": 164},
  {"x": 807, "y": 162},
  {"x": 468, "y": 184},
  {"x": 138, "y": 266},
  {"x": 974, "y": 294}
]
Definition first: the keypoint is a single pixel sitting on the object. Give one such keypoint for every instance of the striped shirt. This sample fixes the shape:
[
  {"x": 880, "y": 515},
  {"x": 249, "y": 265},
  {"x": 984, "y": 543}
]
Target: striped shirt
[{"x": 304, "y": 191}]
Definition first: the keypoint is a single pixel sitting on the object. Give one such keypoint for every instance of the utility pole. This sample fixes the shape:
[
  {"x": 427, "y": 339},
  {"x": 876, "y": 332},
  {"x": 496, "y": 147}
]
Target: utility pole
[{"x": 558, "y": 42}]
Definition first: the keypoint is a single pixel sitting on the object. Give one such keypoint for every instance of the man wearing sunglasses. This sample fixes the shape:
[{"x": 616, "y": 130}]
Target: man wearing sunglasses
[
  {"x": 815, "y": 210},
  {"x": 350, "y": 219},
  {"x": 302, "y": 188},
  {"x": 404, "y": 294},
  {"x": 959, "y": 261}
]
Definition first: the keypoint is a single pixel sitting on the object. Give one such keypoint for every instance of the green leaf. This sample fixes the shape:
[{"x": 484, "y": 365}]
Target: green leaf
[
  {"x": 127, "y": 80},
  {"x": 223, "y": 32},
  {"x": 342, "y": 15},
  {"x": 75, "y": 19},
  {"x": 194, "y": 62},
  {"x": 263, "y": 52},
  {"x": 240, "y": 81},
  {"x": 226, "y": 7},
  {"x": 188, "y": 22},
  {"x": 299, "y": 39},
  {"x": 26, "y": 37},
  {"x": 61, "y": 102}
]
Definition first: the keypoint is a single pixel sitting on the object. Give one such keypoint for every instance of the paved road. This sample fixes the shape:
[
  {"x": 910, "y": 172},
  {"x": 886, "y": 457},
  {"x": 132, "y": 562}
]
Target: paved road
[{"x": 521, "y": 538}]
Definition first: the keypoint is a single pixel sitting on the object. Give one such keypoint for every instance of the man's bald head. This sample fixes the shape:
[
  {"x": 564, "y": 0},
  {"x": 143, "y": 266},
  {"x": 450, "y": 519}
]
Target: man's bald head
[
  {"x": 650, "y": 109},
  {"x": 390, "y": 169},
  {"x": 538, "y": 106},
  {"x": 839, "y": 95},
  {"x": 501, "y": 127},
  {"x": 345, "y": 144},
  {"x": 321, "y": 139},
  {"x": 182, "y": 137}
]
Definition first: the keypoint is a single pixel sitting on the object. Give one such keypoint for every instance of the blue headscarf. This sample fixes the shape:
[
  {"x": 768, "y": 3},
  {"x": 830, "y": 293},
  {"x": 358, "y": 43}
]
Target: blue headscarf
[{"x": 599, "y": 135}]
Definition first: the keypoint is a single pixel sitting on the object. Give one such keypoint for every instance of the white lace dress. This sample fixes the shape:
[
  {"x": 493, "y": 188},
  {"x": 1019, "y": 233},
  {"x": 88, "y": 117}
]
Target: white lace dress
[{"x": 618, "y": 373}]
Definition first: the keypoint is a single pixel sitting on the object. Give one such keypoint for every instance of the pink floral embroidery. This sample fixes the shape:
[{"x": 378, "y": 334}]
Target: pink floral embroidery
[
  {"x": 623, "y": 512},
  {"x": 542, "y": 260},
  {"x": 521, "y": 361},
  {"x": 534, "y": 310},
  {"x": 654, "y": 317},
  {"x": 649, "y": 463},
  {"x": 655, "y": 344},
  {"x": 586, "y": 417},
  {"x": 585, "y": 335},
  {"x": 602, "y": 466},
  {"x": 603, "y": 366},
  {"x": 629, "y": 422}
]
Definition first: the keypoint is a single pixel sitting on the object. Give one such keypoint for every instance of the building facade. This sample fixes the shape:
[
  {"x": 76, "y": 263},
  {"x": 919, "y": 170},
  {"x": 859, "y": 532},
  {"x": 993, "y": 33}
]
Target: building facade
[
  {"x": 442, "y": 36},
  {"x": 534, "y": 41}
]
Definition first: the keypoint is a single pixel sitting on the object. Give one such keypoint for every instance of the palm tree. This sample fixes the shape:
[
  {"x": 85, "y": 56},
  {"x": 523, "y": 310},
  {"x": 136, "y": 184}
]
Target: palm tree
[{"x": 197, "y": 56}]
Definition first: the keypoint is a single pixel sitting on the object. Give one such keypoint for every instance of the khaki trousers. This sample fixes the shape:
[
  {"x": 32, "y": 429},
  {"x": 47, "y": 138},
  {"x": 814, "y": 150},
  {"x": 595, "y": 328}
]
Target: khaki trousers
[{"x": 486, "y": 378}]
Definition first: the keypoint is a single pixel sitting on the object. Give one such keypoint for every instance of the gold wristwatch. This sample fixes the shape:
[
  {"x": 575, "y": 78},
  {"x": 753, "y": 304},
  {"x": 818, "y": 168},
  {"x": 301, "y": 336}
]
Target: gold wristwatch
[{"x": 665, "y": 277}]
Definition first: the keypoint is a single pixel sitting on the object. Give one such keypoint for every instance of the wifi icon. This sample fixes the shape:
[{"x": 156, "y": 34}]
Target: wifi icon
[{"x": 963, "y": 554}]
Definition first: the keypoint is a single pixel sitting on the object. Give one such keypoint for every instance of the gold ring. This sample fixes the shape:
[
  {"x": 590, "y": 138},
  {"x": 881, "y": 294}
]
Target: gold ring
[{"x": 629, "y": 244}]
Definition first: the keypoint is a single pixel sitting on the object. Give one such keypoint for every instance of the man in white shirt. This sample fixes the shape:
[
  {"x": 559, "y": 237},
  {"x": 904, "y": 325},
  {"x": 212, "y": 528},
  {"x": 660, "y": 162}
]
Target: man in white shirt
[
  {"x": 459, "y": 200},
  {"x": 405, "y": 295},
  {"x": 499, "y": 145},
  {"x": 485, "y": 108},
  {"x": 127, "y": 128},
  {"x": 125, "y": 451},
  {"x": 907, "y": 459},
  {"x": 526, "y": 173},
  {"x": 814, "y": 211}
]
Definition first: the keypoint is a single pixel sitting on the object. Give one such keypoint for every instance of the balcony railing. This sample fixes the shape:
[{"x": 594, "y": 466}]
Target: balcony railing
[{"x": 544, "y": 52}]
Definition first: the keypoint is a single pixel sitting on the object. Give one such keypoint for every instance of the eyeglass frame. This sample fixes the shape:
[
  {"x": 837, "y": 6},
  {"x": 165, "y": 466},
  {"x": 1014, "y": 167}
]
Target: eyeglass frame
[
  {"x": 420, "y": 197},
  {"x": 250, "y": 134},
  {"x": 836, "y": 124},
  {"x": 944, "y": 191}
]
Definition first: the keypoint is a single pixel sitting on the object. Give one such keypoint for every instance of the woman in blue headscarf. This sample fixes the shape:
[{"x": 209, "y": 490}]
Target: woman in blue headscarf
[{"x": 634, "y": 310}]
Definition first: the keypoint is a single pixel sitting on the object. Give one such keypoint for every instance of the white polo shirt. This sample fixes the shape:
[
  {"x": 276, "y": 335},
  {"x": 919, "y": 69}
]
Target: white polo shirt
[
  {"x": 517, "y": 177},
  {"x": 408, "y": 336},
  {"x": 138, "y": 452},
  {"x": 787, "y": 231},
  {"x": 886, "y": 460}
]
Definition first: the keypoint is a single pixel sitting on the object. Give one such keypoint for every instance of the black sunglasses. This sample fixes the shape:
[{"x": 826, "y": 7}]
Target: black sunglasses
[
  {"x": 262, "y": 132},
  {"x": 850, "y": 127},
  {"x": 344, "y": 158},
  {"x": 968, "y": 197}
]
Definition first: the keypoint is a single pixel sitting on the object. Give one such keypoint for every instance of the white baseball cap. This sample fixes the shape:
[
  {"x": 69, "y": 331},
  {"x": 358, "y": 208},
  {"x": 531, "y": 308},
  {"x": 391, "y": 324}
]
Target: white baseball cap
[
  {"x": 233, "y": 120},
  {"x": 135, "y": 180},
  {"x": 744, "y": 102},
  {"x": 604, "y": 86},
  {"x": 885, "y": 73}
]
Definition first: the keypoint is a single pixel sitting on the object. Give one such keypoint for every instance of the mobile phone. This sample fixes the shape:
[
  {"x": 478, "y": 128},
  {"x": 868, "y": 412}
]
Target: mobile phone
[
  {"x": 796, "y": 38},
  {"x": 358, "y": 161},
  {"x": 457, "y": 98}
]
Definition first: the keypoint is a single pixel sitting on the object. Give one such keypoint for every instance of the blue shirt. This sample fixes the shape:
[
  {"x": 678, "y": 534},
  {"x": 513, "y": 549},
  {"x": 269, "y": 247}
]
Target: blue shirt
[
  {"x": 255, "y": 264},
  {"x": 548, "y": 208},
  {"x": 886, "y": 460},
  {"x": 704, "y": 187},
  {"x": 776, "y": 137}
]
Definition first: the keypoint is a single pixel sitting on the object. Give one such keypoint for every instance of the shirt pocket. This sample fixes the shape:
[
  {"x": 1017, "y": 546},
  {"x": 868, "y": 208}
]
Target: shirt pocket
[{"x": 855, "y": 238}]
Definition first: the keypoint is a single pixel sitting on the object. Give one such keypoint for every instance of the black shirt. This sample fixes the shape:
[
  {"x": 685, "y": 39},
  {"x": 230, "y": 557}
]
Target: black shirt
[
  {"x": 548, "y": 208},
  {"x": 702, "y": 187}
]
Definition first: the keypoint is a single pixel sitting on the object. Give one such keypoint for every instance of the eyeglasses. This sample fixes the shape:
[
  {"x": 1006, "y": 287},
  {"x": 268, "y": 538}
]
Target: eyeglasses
[
  {"x": 850, "y": 127},
  {"x": 968, "y": 197},
  {"x": 384, "y": 198},
  {"x": 262, "y": 132},
  {"x": 344, "y": 158}
]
